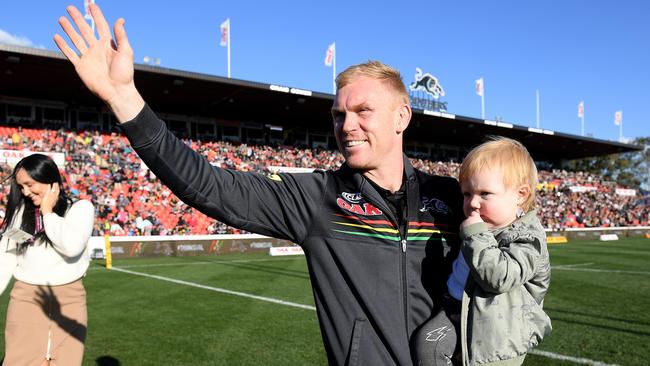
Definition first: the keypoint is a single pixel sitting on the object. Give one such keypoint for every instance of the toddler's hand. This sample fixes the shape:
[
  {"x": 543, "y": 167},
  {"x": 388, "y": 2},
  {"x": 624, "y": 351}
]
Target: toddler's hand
[{"x": 473, "y": 218}]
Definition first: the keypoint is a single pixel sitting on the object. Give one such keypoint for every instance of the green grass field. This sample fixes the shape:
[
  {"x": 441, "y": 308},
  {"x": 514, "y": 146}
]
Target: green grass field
[{"x": 599, "y": 302}]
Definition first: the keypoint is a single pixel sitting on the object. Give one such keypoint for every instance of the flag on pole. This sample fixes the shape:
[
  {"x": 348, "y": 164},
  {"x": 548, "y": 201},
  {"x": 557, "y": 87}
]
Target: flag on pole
[
  {"x": 479, "y": 87},
  {"x": 225, "y": 32},
  {"x": 87, "y": 4},
  {"x": 581, "y": 109},
  {"x": 329, "y": 55},
  {"x": 330, "y": 61},
  {"x": 618, "y": 117}
]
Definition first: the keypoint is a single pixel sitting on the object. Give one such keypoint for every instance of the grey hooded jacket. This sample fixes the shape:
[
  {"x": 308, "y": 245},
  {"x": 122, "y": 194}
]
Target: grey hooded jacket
[{"x": 502, "y": 314}]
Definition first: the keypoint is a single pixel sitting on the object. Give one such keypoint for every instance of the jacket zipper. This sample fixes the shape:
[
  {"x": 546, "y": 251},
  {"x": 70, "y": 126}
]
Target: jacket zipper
[{"x": 403, "y": 242}]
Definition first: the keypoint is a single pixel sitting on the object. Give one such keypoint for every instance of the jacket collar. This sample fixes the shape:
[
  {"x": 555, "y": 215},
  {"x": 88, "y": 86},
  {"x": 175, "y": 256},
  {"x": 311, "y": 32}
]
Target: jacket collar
[
  {"x": 360, "y": 181},
  {"x": 524, "y": 220}
]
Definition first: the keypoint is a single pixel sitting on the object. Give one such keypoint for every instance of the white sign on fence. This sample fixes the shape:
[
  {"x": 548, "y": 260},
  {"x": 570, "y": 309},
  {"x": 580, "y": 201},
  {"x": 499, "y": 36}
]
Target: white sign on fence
[
  {"x": 608, "y": 237},
  {"x": 275, "y": 251},
  {"x": 12, "y": 157}
]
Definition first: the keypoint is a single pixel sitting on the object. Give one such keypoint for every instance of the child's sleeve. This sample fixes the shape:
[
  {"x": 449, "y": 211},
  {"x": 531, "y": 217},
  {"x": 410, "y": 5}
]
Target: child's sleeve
[{"x": 499, "y": 269}]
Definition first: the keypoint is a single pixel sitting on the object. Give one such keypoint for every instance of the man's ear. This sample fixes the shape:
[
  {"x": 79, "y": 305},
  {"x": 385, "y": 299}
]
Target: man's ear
[{"x": 404, "y": 114}]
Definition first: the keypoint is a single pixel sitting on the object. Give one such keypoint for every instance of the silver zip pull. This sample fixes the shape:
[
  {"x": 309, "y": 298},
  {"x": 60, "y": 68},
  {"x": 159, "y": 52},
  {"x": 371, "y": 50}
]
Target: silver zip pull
[{"x": 403, "y": 245}]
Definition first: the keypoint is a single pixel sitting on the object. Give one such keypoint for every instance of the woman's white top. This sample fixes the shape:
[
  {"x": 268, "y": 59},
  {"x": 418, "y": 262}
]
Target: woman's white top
[{"x": 65, "y": 261}]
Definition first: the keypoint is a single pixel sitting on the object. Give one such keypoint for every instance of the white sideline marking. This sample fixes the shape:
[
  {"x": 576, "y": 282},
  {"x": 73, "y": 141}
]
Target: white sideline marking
[
  {"x": 581, "y": 360},
  {"x": 216, "y": 289},
  {"x": 155, "y": 265},
  {"x": 572, "y": 265},
  {"x": 602, "y": 270},
  {"x": 552, "y": 355}
]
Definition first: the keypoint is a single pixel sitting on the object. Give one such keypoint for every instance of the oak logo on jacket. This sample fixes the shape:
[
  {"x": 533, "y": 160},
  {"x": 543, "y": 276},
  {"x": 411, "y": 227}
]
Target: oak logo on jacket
[{"x": 351, "y": 202}]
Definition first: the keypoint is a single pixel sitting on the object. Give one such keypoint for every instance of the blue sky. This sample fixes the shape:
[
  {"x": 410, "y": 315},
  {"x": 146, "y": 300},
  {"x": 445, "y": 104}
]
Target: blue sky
[{"x": 571, "y": 50}]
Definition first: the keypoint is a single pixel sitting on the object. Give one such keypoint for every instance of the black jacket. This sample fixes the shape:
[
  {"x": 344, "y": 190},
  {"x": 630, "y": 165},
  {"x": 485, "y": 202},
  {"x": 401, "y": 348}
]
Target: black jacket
[{"x": 372, "y": 287}]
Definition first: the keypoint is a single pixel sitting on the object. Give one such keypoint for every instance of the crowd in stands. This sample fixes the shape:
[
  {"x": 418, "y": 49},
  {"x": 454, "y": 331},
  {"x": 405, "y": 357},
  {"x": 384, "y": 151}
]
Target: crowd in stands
[{"x": 130, "y": 200}]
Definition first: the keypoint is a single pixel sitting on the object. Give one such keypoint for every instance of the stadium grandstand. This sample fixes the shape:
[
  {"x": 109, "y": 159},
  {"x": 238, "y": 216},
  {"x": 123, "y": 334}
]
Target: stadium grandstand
[{"x": 253, "y": 126}]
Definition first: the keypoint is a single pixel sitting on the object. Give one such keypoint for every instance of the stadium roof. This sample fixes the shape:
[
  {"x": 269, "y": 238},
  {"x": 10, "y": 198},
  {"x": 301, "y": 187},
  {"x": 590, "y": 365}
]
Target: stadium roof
[{"x": 46, "y": 75}]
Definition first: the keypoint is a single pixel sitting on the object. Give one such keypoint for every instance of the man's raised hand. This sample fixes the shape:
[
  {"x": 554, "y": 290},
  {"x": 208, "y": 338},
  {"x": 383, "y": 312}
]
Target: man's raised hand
[{"x": 104, "y": 65}]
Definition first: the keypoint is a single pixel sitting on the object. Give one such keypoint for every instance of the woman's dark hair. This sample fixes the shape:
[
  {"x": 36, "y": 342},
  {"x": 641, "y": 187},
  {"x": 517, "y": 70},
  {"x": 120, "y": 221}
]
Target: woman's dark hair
[{"x": 42, "y": 169}]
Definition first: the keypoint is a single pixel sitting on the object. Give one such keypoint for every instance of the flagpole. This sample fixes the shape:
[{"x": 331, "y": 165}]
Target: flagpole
[
  {"x": 479, "y": 85},
  {"x": 581, "y": 115},
  {"x": 537, "y": 92},
  {"x": 88, "y": 15},
  {"x": 228, "y": 48},
  {"x": 334, "y": 70},
  {"x": 483, "y": 104},
  {"x": 620, "y": 129}
]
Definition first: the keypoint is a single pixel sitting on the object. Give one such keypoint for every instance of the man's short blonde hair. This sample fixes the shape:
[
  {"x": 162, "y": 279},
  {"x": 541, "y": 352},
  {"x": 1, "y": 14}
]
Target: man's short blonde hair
[
  {"x": 511, "y": 157},
  {"x": 374, "y": 70}
]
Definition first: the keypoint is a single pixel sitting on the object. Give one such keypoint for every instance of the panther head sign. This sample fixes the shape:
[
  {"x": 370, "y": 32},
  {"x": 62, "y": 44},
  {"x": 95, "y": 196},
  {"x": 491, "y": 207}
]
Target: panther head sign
[{"x": 427, "y": 83}]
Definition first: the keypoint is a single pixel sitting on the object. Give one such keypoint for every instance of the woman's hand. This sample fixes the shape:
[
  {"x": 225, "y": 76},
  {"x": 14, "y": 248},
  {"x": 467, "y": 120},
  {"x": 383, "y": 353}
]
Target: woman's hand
[{"x": 50, "y": 198}]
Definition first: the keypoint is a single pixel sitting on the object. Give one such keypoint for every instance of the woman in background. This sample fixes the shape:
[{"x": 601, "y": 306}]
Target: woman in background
[{"x": 43, "y": 245}]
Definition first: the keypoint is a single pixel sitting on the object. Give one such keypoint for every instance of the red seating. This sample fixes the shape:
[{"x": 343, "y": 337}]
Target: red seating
[{"x": 148, "y": 198}]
